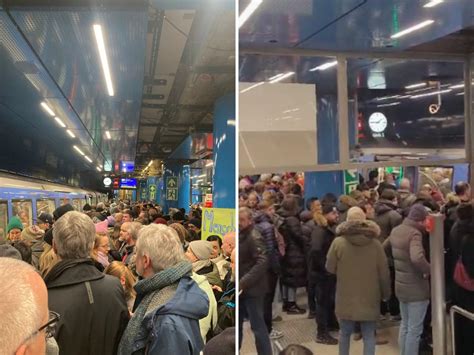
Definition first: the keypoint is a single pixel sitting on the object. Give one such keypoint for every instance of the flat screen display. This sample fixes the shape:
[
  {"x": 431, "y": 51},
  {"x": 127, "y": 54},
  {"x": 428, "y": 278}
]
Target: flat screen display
[
  {"x": 127, "y": 166},
  {"x": 128, "y": 183}
]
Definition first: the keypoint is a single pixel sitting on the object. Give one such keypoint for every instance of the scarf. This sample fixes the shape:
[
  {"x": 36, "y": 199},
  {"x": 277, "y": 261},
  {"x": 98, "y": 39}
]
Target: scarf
[
  {"x": 201, "y": 264},
  {"x": 103, "y": 259},
  {"x": 146, "y": 289}
]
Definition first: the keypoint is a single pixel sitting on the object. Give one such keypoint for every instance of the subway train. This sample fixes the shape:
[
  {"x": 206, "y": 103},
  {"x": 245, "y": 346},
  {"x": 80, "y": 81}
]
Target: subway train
[{"x": 27, "y": 198}]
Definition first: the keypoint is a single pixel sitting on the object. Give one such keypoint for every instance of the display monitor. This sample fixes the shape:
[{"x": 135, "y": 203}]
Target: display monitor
[
  {"x": 127, "y": 166},
  {"x": 126, "y": 183}
]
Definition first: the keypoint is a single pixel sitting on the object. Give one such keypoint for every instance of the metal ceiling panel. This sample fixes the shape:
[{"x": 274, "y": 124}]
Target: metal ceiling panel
[{"x": 65, "y": 43}]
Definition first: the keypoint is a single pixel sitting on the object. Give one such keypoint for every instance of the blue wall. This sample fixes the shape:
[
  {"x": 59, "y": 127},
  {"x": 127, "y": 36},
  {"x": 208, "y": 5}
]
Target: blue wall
[
  {"x": 184, "y": 185},
  {"x": 317, "y": 184},
  {"x": 224, "y": 178}
]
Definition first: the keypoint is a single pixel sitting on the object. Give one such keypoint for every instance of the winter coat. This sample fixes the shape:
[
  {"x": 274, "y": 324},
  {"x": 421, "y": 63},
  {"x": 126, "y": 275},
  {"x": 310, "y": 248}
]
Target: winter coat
[
  {"x": 321, "y": 240},
  {"x": 263, "y": 223},
  {"x": 386, "y": 217},
  {"x": 212, "y": 275},
  {"x": 293, "y": 264},
  {"x": 173, "y": 328},
  {"x": 355, "y": 252},
  {"x": 209, "y": 322},
  {"x": 92, "y": 307},
  {"x": 411, "y": 266},
  {"x": 253, "y": 263}
]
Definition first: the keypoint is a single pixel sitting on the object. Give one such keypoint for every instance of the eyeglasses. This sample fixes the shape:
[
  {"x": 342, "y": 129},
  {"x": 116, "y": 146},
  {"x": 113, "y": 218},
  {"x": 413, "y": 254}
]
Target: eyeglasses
[{"x": 50, "y": 326}]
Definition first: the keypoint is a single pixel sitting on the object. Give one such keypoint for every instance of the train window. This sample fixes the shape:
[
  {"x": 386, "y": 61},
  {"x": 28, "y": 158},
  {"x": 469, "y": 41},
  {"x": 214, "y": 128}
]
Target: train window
[
  {"x": 45, "y": 205},
  {"x": 23, "y": 209},
  {"x": 65, "y": 201},
  {"x": 406, "y": 110},
  {"x": 77, "y": 204},
  {"x": 3, "y": 219}
]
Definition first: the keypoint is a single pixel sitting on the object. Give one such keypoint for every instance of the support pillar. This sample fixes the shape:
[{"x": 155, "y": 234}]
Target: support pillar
[
  {"x": 183, "y": 186},
  {"x": 224, "y": 175}
]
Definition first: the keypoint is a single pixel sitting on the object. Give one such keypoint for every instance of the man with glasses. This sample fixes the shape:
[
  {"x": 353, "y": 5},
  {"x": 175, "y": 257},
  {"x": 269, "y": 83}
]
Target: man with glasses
[{"x": 25, "y": 323}]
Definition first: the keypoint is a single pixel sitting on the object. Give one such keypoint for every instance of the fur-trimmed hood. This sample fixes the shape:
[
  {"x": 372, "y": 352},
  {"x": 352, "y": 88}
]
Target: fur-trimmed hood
[{"x": 358, "y": 232}]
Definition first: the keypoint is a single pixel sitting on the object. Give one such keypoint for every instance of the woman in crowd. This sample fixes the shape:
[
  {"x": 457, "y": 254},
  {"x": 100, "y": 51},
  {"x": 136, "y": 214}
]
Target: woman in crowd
[{"x": 123, "y": 273}]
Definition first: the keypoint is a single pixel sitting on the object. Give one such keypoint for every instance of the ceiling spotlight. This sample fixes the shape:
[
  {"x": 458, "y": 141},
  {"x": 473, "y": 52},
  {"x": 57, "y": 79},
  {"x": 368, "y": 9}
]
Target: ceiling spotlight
[{"x": 107, "y": 134}]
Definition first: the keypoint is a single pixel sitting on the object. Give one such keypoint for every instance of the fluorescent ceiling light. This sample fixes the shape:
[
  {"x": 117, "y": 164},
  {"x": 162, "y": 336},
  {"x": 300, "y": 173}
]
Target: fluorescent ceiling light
[
  {"x": 412, "y": 29},
  {"x": 253, "y": 86},
  {"x": 391, "y": 104},
  {"x": 431, "y": 94},
  {"x": 433, "y": 3},
  {"x": 78, "y": 150},
  {"x": 88, "y": 159},
  {"x": 209, "y": 164},
  {"x": 70, "y": 133},
  {"x": 107, "y": 134},
  {"x": 460, "y": 94},
  {"x": 249, "y": 10},
  {"x": 387, "y": 98},
  {"x": 98, "y": 168},
  {"x": 459, "y": 86},
  {"x": 282, "y": 77},
  {"x": 103, "y": 58},
  {"x": 413, "y": 86},
  {"x": 198, "y": 176},
  {"x": 58, "y": 120},
  {"x": 275, "y": 76},
  {"x": 45, "y": 106},
  {"x": 325, "y": 66},
  {"x": 149, "y": 164}
]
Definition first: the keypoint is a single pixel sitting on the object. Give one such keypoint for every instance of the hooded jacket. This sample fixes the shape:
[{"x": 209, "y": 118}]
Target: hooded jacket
[
  {"x": 410, "y": 262},
  {"x": 92, "y": 307},
  {"x": 173, "y": 328},
  {"x": 34, "y": 236},
  {"x": 386, "y": 217},
  {"x": 321, "y": 240},
  {"x": 353, "y": 253}
]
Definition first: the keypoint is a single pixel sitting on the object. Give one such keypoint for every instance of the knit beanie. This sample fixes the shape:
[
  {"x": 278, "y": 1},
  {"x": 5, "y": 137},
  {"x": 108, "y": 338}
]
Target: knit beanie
[
  {"x": 418, "y": 213},
  {"x": 101, "y": 227},
  {"x": 7, "y": 251},
  {"x": 201, "y": 248},
  {"x": 14, "y": 223},
  {"x": 355, "y": 214},
  {"x": 111, "y": 221},
  {"x": 60, "y": 211}
]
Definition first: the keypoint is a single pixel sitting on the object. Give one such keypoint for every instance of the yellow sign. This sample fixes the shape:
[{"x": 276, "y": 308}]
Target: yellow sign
[{"x": 217, "y": 221}]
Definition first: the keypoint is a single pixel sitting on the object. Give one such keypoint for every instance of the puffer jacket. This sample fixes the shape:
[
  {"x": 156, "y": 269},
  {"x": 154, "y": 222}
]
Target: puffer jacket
[
  {"x": 293, "y": 264},
  {"x": 264, "y": 224},
  {"x": 386, "y": 217},
  {"x": 411, "y": 267},
  {"x": 321, "y": 240},
  {"x": 355, "y": 252}
]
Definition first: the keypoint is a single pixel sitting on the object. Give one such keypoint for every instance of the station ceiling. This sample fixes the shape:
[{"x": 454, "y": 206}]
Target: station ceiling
[{"x": 61, "y": 118}]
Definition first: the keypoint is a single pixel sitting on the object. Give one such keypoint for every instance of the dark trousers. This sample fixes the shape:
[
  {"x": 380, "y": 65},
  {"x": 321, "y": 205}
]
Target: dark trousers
[
  {"x": 311, "y": 290},
  {"x": 272, "y": 280},
  {"x": 325, "y": 305},
  {"x": 393, "y": 305},
  {"x": 252, "y": 308}
]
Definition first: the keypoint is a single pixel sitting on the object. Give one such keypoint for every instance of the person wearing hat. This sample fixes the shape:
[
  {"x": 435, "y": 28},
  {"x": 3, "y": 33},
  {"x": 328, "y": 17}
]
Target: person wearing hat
[
  {"x": 14, "y": 229},
  {"x": 199, "y": 253},
  {"x": 412, "y": 271},
  {"x": 44, "y": 221},
  {"x": 323, "y": 282},
  {"x": 195, "y": 226},
  {"x": 355, "y": 252}
]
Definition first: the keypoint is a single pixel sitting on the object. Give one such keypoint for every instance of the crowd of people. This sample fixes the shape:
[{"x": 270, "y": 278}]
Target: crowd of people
[
  {"x": 362, "y": 258},
  {"x": 118, "y": 278}
]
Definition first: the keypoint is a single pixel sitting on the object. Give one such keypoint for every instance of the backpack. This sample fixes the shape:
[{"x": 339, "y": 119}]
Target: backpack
[{"x": 225, "y": 312}]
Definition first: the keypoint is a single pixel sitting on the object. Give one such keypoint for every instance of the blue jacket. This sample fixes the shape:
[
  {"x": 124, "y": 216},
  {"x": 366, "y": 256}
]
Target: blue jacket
[{"x": 174, "y": 327}]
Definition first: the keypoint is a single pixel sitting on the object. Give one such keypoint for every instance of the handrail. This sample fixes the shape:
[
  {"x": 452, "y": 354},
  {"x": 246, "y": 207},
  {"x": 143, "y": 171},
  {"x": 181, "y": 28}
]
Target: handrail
[{"x": 464, "y": 313}]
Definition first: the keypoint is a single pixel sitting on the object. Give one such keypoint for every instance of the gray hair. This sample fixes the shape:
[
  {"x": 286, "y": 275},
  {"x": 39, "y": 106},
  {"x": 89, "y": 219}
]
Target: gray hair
[
  {"x": 133, "y": 228},
  {"x": 162, "y": 245},
  {"x": 74, "y": 236},
  {"x": 21, "y": 314}
]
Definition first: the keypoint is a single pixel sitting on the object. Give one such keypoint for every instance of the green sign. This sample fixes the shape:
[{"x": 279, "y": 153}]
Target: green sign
[
  {"x": 351, "y": 180},
  {"x": 172, "y": 188},
  {"x": 152, "y": 190},
  {"x": 172, "y": 194}
]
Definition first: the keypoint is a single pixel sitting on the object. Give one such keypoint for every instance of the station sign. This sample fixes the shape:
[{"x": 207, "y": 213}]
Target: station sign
[
  {"x": 152, "y": 192},
  {"x": 107, "y": 181},
  {"x": 172, "y": 188},
  {"x": 217, "y": 221}
]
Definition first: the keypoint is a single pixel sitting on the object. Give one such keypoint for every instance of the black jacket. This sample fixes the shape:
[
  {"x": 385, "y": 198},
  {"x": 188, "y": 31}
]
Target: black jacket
[
  {"x": 253, "y": 263},
  {"x": 293, "y": 264},
  {"x": 321, "y": 240},
  {"x": 264, "y": 224},
  {"x": 92, "y": 307}
]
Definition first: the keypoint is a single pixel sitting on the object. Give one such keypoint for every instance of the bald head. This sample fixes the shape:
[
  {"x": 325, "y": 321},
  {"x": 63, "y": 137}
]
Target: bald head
[
  {"x": 24, "y": 308},
  {"x": 228, "y": 243},
  {"x": 405, "y": 184}
]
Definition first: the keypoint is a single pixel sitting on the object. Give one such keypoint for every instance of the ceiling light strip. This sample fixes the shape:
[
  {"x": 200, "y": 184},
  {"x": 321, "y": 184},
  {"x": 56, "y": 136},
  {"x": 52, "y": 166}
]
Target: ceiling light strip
[
  {"x": 59, "y": 121},
  {"x": 252, "y": 87},
  {"x": 78, "y": 150},
  {"x": 414, "y": 86},
  {"x": 72, "y": 135},
  {"x": 249, "y": 10},
  {"x": 282, "y": 77},
  {"x": 325, "y": 66},
  {"x": 88, "y": 159},
  {"x": 431, "y": 94},
  {"x": 107, "y": 134},
  {"x": 45, "y": 107},
  {"x": 412, "y": 29},
  {"x": 433, "y": 3},
  {"x": 103, "y": 58}
]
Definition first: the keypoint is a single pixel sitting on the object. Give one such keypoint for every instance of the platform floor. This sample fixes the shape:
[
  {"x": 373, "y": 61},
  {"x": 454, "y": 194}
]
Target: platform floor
[{"x": 298, "y": 329}]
